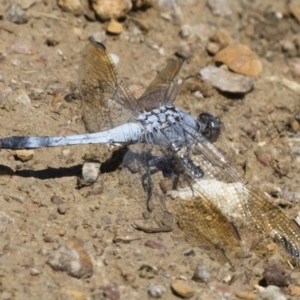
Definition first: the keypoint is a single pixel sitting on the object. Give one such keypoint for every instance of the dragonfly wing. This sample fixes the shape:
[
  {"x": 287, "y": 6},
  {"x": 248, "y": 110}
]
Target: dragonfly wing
[
  {"x": 153, "y": 171},
  {"x": 241, "y": 203},
  {"x": 164, "y": 88},
  {"x": 106, "y": 103}
]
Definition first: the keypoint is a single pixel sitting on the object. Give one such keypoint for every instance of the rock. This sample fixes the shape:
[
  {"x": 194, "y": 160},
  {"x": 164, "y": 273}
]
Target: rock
[
  {"x": 227, "y": 81},
  {"x": 182, "y": 289},
  {"x": 221, "y": 37},
  {"x": 246, "y": 295},
  {"x": 111, "y": 291},
  {"x": 156, "y": 290},
  {"x": 34, "y": 272},
  {"x": 72, "y": 258},
  {"x": 107, "y": 9},
  {"x": 185, "y": 30},
  {"x": 16, "y": 14},
  {"x": 212, "y": 48},
  {"x": 294, "y": 10},
  {"x": 271, "y": 292},
  {"x": 290, "y": 48},
  {"x": 24, "y": 155},
  {"x": 90, "y": 171},
  {"x": 20, "y": 48},
  {"x": 240, "y": 59},
  {"x": 155, "y": 245},
  {"x": 98, "y": 36},
  {"x": 72, "y": 6},
  {"x": 114, "y": 27},
  {"x": 276, "y": 274},
  {"x": 201, "y": 274},
  {"x": 115, "y": 58},
  {"x": 74, "y": 295},
  {"x": 294, "y": 290},
  {"x": 219, "y": 7}
]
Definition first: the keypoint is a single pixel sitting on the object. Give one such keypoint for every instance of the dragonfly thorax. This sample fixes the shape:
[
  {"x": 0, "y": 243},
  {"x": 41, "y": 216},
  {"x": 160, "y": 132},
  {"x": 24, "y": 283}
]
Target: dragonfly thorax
[{"x": 162, "y": 117}]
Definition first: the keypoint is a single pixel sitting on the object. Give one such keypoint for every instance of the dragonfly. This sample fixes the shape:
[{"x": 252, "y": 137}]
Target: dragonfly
[{"x": 183, "y": 176}]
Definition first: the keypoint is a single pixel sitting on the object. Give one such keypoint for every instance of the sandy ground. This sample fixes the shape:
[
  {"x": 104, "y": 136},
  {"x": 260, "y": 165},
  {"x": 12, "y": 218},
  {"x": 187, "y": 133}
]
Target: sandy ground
[{"x": 44, "y": 213}]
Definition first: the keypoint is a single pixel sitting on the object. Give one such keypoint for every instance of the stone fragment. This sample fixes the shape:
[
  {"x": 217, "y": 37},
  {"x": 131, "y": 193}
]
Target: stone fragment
[
  {"x": 72, "y": 258},
  {"x": 156, "y": 290},
  {"x": 114, "y": 27},
  {"x": 98, "y": 36},
  {"x": 240, "y": 59},
  {"x": 221, "y": 37},
  {"x": 90, "y": 172},
  {"x": 276, "y": 274},
  {"x": 201, "y": 274},
  {"x": 16, "y": 14},
  {"x": 24, "y": 155},
  {"x": 72, "y": 6},
  {"x": 294, "y": 10},
  {"x": 246, "y": 295},
  {"x": 219, "y": 7},
  {"x": 227, "y": 81},
  {"x": 111, "y": 291},
  {"x": 107, "y": 9},
  {"x": 155, "y": 245},
  {"x": 34, "y": 272},
  {"x": 212, "y": 48},
  {"x": 271, "y": 292},
  {"x": 294, "y": 290},
  {"x": 180, "y": 288}
]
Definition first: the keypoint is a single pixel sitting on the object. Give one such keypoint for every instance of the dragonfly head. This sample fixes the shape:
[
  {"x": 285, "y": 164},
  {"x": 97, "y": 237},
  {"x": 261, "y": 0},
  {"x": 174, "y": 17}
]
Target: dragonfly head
[{"x": 209, "y": 126}]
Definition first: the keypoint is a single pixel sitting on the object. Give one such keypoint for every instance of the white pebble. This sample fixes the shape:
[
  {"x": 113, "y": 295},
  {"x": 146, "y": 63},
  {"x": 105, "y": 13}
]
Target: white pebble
[
  {"x": 115, "y": 58},
  {"x": 156, "y": 290}
]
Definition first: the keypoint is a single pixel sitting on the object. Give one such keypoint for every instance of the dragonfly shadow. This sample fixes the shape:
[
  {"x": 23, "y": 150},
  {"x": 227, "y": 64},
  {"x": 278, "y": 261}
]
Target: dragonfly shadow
[
  {"x": 50, "y": 173},
  {"x": 115, "y": 161}
]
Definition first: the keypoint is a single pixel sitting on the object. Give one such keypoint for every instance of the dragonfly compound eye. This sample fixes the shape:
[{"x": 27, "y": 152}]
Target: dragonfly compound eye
[{"x": 209, "y": 126}]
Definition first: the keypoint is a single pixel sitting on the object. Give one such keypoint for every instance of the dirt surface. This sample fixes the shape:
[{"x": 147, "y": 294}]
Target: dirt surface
[{"x": 44, "y": 213}]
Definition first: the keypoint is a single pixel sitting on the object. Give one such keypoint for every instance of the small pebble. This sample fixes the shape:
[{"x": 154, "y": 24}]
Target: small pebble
[
  {"x": 294, "y": 290},
  {"x": 219, "y": 7},
  {"x": 156, "y": 290},
  {"x": 111, "y": 291},
  {"x": 201, "y": 274},
  {"x": 107, "y": 10},
  {"x": 16, "y": 14},
  {"x": 114, "y": 27},
  {"x": 155, "y": 245},
  {"x": 115, "y": 58},
  {"x": 240, "y": 59},
  {"x": 34, "y": 272},
  {"x": 276, "y": 274},
  {"x": 182, "y": 289},
  {"x": 98, "y": 36},
  {"x": 24, "y": 155},
  {"x": 185, "y": 30},
  {"x": 212, "y": 48},
  {"x": 271, "y": 292},
  {"x": 90, "y": 171},
  {"x": 73, "y": 6},
  {"x": 295, "y": 10},
  {"x": 72, "y": 258},
  {"x": 227, "y": 81},
  {"x": 62, "y": 209}
]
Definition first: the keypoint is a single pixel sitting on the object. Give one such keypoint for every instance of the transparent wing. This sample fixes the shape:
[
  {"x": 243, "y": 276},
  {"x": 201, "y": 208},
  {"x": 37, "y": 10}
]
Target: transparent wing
[
  {"x": 164, "y": 88},
  {"x": 212, "y": 203},
  {"x": 106, "y": 103},
  {"x": 154, "y": 171},
  {"x": 242, "y": 204}
]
